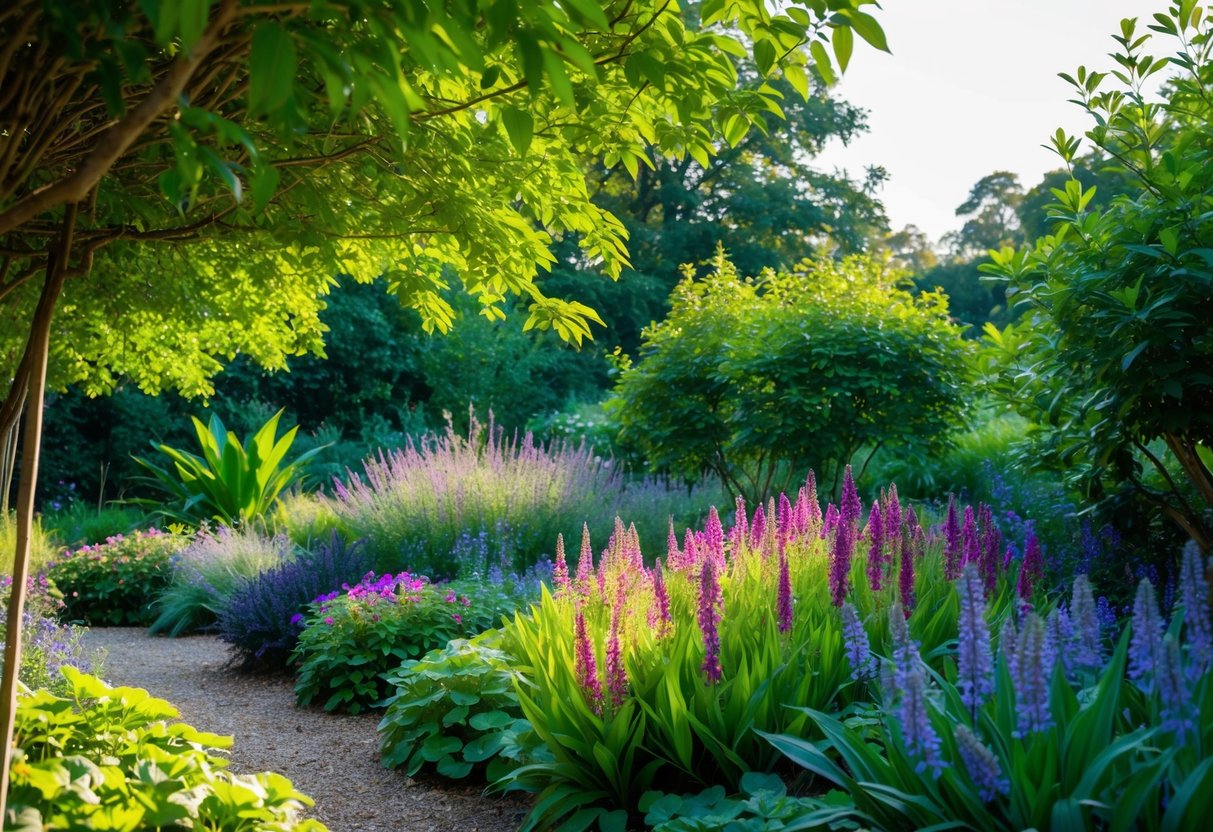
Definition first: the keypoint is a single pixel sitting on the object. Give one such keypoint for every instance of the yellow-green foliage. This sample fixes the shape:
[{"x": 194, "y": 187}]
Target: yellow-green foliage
[{"x": 42, "y": 547}]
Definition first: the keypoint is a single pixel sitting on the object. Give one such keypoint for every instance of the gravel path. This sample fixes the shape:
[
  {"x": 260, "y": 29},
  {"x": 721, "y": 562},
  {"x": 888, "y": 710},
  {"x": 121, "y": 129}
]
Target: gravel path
[{"x": 333, "y": 758}]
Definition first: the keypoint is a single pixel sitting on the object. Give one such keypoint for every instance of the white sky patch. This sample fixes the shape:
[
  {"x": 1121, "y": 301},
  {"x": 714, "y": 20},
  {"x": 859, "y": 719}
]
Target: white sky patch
[{"x": 972, "y": 87}]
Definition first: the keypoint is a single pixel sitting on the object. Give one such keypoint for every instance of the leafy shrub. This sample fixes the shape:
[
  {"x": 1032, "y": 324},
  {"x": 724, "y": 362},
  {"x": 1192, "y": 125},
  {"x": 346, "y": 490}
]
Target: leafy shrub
[
  {"x": 307, "y": 519},
  {"x": 116, "y": 582},
  {"x": 209, "y": 570},
  {"x": 412, "y": 505},
  {"x": 764, "y": 804},
  {"x": 455, "y": 711},
  {"x": 46, "y": 645},
  {"x": 350, "y": 640},
  {"x": 230, "y": 483},
  {"x": 109, "y": 758},
  {"x": 80, "y": 523},
  {"x": 664, "y": 677},
  {"x": 261, "y": 619},
  {"x": 757, "y": 380},
  {"x": 1056, "y": 736}
]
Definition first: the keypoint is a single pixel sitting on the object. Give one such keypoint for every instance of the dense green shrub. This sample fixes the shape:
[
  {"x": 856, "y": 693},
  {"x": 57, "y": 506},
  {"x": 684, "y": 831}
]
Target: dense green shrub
[
  {"x": 79, "y": 523},
  {"x": 757, "y": 380},
  {"x": 110, "y": 759},
  {"x": 209, "y": 570},
  {"x": 418, "y": 507},
  {"x": 352, "y": 638},
  {"x": 116, "y": 582},
  {"x": 455, "y": 711}
]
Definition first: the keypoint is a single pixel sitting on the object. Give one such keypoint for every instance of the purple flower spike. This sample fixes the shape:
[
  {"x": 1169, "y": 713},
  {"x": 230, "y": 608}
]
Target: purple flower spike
[
  {"x": 951, "y": 544},
  {"x": 1059, "y": 638},
  {"x": 969, "y": 543},
  {"x": 587, "y": 665},
  {"x": 690, "y": 550},
  {"x": 1088, "y": 638},
  {"x": 981, "y": 764},
  {"x": 1008, "y": 640},
  {"x": 616, "y": 673},
  {"x": 1031, "y": 570},
  {"x": 831, "y": 521},
  {"x": 849, "y": 504},
  {"x": 906, "y": 571},
  {"x": 784, "y": 517},
  {"x": 812, "y": 502},
  {"x": 1174, "y": 697},
  {"x": 758, "y": 528},
  {"x": 714, "y": 534},
  {"x": 892, "y": 514},
  {"x": 840, "y": 564},
  {"x": 1194, "y": 595},
  {"x": 710, "y": 603},
  {"x": 855, "y": 638},
  {"x": 785, "y": 594},
  {"x": 907, "y": 685},
  {"x": 661, "y": 600},
  {"x": 974, "y": 660},
  {"x": 1034, "y": 670},
  {"x": 741, "y": 522},
  {"x": 876, "y": 550},
  {"x": 585, "y": 563},
  {"x": 672, "y": 554},
  {"x": 1145, "y": 644},
  {"x": 560, "y": 574}
]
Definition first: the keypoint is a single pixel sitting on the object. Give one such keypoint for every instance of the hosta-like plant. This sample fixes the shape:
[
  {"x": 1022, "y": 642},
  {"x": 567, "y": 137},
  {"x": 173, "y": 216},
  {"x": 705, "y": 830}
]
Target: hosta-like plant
[
  {"x": 663, "y": 677},
  {"x": 230, "y": 482}
]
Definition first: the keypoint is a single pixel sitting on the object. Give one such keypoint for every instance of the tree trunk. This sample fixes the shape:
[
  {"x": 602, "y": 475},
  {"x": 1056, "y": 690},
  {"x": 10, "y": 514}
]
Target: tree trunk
[{"x": 35, "y": 359}]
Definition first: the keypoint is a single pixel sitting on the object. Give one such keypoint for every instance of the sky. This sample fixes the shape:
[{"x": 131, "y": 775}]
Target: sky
[{"x": 971, "y": 87}]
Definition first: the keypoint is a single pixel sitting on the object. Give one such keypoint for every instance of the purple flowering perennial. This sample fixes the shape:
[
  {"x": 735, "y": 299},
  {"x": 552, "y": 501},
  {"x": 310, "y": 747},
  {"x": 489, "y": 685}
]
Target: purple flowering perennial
[
  {"x": 907, "y": 685},
  {"x": 714, "y": 536},
  {"x": 585, "y": 562},
  {"x": 785, "y": 594},
  {"x": 969, "y": 543},
  {"x": 951, "y": 544},
  {"x": 831, "y": 521},
  {"x": 974, "y": 659},
  {"x": 1034, "y": 670},
  {"x": 849, "y": 503},
  {"x": 661, "y": 600},
  {"x": 1194, "y": 596},
  {"x": 905, "y": 578},
  {"x": 784, "y": 518},
  {"x": 560, "y": 574},
  {"x": 892, "y": 514},
  {"x": 1031, "y": 570},
  {"x": 1174, "y": 697},
  {"x": 1145, "y": 644},
  {"x": 1084, "y": 618},
  {"x": 710, "y": 602},
  {"x": 1059, "y": 638},
  {"x": 855, "y": 639},
  {"x": 616, "y": 673},
  {"x": 876, "y": 549},
  {"x": 981, "y": 764},
  {"x": 758, "y": 528},
  {"x": 812, "y": 504},
  {"x": 586, "y": 664},
  {"x": 840, "y": 564}
]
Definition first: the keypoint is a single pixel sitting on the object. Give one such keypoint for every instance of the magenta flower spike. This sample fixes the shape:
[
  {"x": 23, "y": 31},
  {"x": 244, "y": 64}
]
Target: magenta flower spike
[
  {"x": 831, "y": 521},
  {"x": 970, "y": 551},
  {"x": 892, "y": 514},
  {"x": 741, "y": 524},
  {"x": 812, "y": 503},
  {"x": 840, "y": 564},
  {"x": 672, "y": 554},
  {"x": 586, "y": 665},
  {"x": 850, "y": 505},
  {"x": 560, "y": 572},
  {"x": 784, "y": 606},
  {"x": 1031, "y": 570},
  {"x": 905, "y": 577},
  {"x": 690, "y": 551},
  {"x": 634, "y": 557},
  {"x": 661, "y": 600},
  {"x": 710, "y": 603},
  {"x": 990, "y": 547},
  {"x": 585, "y": 563},
  {"x": 616, "y": 673},
  {"x": 951, "y": 542},
  {"x": 784, "y": 528},
  {"x": 758, "y": 527},
  {"x": 876, "y": 549},
  {"x": 714, "y": 534}
]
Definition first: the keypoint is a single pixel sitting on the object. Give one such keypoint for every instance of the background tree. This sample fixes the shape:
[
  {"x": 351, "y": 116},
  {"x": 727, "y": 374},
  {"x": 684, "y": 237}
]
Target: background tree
[
  {"x": 182, "y": 179},
  {"x": 1113, "y": 355},
  {"x": 759, "y": 379}
]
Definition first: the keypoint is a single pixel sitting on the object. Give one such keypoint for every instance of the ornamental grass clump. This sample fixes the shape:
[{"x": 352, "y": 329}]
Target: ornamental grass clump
[
  {"x": 638, "y": 676},
  {"x": 412, "y": 505},
  {"x": 209, "y": 570}
]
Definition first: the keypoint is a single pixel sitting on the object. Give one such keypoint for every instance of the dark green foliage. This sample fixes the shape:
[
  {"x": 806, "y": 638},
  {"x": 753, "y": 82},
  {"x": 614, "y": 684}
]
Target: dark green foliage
[
  {"x": 759, "y": 380},
  {"x": 764, "y": 804},
  {"x": 115, "y": 758},
  {"x": 350, "y": 641},
  {"x": 116, "y": 582},
  {"x": 455, "y": 712}
]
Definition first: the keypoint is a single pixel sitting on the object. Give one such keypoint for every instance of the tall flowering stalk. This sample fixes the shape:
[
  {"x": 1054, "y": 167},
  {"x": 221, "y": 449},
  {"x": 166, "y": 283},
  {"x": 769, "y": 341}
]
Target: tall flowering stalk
[
  {"x": 876, "y": 564},
  {"x": 1194, "y": 596},
  {"x": 831, "y": 521},
  {"x": 586, "y": 664},
  {"x": 951, "y": 542},
  {"x": 907, "y": 689},
  {"x": 616, "y": 673},
  {"x": 661, "y": 602},
  {"x": 849, "y": 504},
  {"x": 991, "y": 547},
  {"x": 560, "y": 573},
  {"x": 969, "y": 543},
  {"x": 813, "y": 519},
  {"x": 981, "y": 764},
  {"x": 785, "y": 523},
  {"x": 1175, "y": 701},
  {"x": 858, "y": 648},
  {"x": 585, "y": 563},
  {"x": 974, "y": 659},
  {"x": 1033, "y": 665},
  {"x": 905, "y": 577},
  {"x": 758, "y": 527},
  {"x": 710, "y": 602},
  {"x": 784, "y": 605},
  {"x": 1031, "y": 570},
  {"x": 1088, "y": 638},
  {"x": 840, "y": 564},
  {"x": 1145, "y": 644},
  {"x": 892, "y": 514},
  {"x": 714, "y": 537}
]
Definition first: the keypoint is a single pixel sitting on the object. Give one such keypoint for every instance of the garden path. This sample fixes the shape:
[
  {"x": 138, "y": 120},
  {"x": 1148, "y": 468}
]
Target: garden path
[{"x": 331, "y": 757}]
